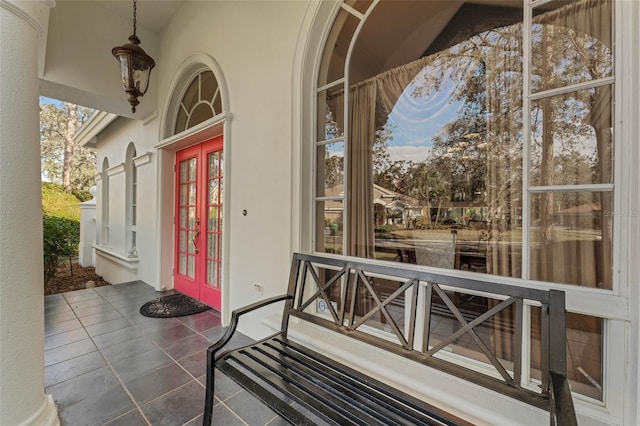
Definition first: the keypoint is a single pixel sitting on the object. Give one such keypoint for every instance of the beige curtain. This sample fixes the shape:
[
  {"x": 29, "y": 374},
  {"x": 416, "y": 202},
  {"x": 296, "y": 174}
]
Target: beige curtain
[
  {"x": 503, "y": 82},
  {"x": 361, "y": 134},
  {"x": 585, "y": 17},
  {"x": 392, "y": 83},
  {"x": 504, "y": 147}
]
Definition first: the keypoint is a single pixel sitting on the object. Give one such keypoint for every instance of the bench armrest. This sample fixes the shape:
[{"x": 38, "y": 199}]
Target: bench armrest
[
  {"x": 228, "y": 334},
  {"x": 236, "y": 314}
]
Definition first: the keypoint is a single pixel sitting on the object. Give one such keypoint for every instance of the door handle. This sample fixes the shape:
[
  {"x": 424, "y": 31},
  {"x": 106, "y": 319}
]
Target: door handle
[{"x": 193, "y": 240}]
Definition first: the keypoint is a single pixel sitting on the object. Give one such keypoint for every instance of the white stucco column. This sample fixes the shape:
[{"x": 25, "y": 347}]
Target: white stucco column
[{"x": 22, "y": 397}]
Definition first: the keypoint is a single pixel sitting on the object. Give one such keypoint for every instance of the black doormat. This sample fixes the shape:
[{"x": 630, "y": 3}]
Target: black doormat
[{"x": 174, "y": 305}]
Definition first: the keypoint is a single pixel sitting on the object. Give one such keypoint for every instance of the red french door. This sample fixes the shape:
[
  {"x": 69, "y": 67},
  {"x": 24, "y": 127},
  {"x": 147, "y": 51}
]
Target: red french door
[{"x": 198, "y": 218}]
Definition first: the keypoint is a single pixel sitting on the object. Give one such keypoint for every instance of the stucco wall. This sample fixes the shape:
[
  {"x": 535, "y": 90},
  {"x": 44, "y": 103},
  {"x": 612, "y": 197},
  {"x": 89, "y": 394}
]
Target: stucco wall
[
  {"x": 254, "y": 43},
  {"x": 112, "y": 143}
]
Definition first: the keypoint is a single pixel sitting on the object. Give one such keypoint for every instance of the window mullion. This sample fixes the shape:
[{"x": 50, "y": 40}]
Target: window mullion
[
  {"x": 346, "y": 129},
  {"x": 605, "y": 81},
  {"x": 330, "y": 141},
  {"x": 526, "y": 136},
  {"x": 330, "y": 85},
  {"x": 595, "y": 187},
  {"x": 624, "y": 171},
  {"x": 352, "y": 11},
  {"x": 314, "y": 177}
]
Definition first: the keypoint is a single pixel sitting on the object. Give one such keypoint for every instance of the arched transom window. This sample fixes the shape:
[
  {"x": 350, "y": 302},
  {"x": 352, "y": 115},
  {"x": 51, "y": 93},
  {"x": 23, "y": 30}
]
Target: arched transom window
[{"x": 201, "y": 101}]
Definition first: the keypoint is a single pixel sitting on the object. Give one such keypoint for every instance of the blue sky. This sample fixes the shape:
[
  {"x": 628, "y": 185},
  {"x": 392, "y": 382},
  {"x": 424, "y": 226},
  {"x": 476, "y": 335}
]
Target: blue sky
[
  {"x": 415, "y": 120},
  {"x": 46, "y": 100}
]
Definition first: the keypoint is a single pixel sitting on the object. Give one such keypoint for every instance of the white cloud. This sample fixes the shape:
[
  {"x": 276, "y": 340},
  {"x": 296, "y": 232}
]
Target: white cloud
[{"x": 408, "y": 153}]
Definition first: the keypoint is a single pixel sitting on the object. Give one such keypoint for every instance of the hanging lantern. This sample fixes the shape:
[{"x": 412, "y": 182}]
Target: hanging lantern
[{"x": 135, "y": 66}]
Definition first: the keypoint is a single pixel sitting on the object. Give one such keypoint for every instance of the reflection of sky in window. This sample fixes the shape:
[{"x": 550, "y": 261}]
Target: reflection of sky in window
[
  {"x": 417, "y": 118},
  {"x": 335, "y": 149}
]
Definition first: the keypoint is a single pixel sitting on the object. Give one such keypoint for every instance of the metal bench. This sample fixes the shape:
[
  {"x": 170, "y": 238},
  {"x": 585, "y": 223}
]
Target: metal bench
[{"x": 340, "y": 294}]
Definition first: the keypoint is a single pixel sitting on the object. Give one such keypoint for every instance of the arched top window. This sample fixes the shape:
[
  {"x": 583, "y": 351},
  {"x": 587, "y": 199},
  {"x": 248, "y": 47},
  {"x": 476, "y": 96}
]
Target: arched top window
[
  {"x": 437, "y": 103},
  {"x": 132, "y": 200},
  {"x": 103, "y": 235},
  {"x": 200, "y": 102},
  {"x": 486, "y": 130},
  {"x": 131, "y": 152}
]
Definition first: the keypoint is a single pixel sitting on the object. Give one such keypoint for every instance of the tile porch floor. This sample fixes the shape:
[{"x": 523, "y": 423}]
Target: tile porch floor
[{"x": 105, "y": 364}]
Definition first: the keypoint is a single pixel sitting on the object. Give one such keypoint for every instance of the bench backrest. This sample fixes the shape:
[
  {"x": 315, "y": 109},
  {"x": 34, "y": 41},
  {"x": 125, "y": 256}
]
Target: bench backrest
[{"x": 436, "y": 319}]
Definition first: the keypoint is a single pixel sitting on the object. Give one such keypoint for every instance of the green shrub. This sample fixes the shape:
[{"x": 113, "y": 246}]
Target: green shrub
[
  {"x": 82, "y": 196},
  {"x": 383, "y": 229},
  {"x": 60, "y": 226},
  {"x": 58, "y": 202},
  {"x": 60, "y": 239}
]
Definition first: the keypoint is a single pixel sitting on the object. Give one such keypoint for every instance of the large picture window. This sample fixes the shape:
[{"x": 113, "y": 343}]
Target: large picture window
[{"x": 474, "y": 137}]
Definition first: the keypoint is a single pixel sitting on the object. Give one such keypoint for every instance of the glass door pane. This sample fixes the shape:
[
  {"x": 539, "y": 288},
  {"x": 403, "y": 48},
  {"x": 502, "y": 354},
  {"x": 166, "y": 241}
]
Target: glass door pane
[
  {"x": 187, "y": 222},
  {"x": 214, "y": 217}
]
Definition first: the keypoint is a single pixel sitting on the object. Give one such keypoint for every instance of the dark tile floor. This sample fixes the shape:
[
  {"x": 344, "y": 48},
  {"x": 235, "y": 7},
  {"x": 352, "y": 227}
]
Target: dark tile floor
[{"x": 105, "y": 364}]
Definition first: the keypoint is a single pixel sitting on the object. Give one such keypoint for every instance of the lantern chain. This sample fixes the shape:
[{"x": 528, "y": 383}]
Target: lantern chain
[{"x": 134, "y": 16}]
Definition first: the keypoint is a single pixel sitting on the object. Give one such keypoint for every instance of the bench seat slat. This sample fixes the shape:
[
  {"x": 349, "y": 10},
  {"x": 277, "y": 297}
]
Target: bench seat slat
[
  {"x": 303, "y": 392},
  {"x": 276, "y": 403},
  {"x": 310, "y": 392},
  {"x": 378, "y": 395},
  {"x": 365, "y": 399},
  {"x": 332, "y": 391},
  {"x": 364, "y": 382}
]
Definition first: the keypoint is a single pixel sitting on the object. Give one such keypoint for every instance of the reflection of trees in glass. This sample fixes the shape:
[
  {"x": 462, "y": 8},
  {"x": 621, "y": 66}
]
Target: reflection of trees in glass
[
  {"x": 334, "y": 169},
  {"x": 427, "y": 186},
  {"x": 571, "y": 132},
  {"x": 381, "y": 157},
  {"x": 331, "y": 127},
  {"x": 485, "y": 132},
  {"x": 568, "y": 49},
  {"x": 420, "y": 181},
  {"x": 393, "y": 176},
  {"x": 459, "y": 149},
  {"x": 571, "y": 141},
  {"x": 477, "y": 155}
]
